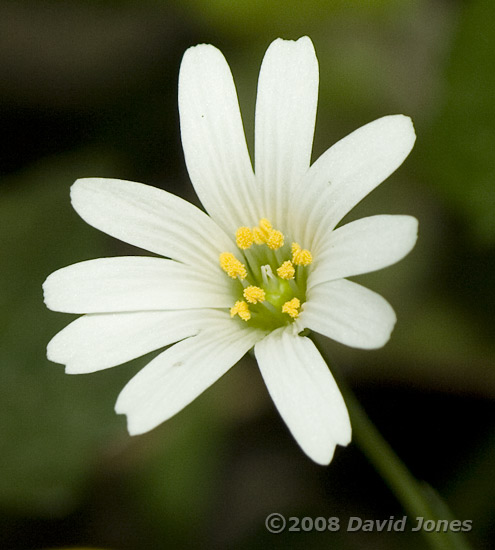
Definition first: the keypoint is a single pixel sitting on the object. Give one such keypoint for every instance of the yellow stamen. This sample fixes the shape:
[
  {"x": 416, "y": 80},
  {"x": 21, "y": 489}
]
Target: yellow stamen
[
  {"x": 286, "y": 270},
  {"x": 264, "y": 233},
  {"x": 254, "y": 294},
  {"x": 275, "y": 239},
  {"x": 258, "y": 236},
  {"x": 292, "y": 307},
  {"x": 265, "y": 226},
  {"x": 261, "y": 234},
  {"x": 301, "y": 256},
  {"x": 241, "y": 308},
  {"x": 232, "y": 266},
  {"x": 244, "y": 237}
]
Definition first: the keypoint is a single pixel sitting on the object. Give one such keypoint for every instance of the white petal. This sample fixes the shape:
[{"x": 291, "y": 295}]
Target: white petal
[
  {"x": 305, "y": 393},
  {"x": 348, "y": 313},
  {"x": 151, "y": 219},
  {"x": 363, "y": 246},
  {"x": 213, "y": 138},
  {"x": 177, "y": 376},
  {"x": 348, "y": 171},
  {"x": 134, "y": 283},
  {"x": 99, "y": 341},
  {"x": 285, "y": 120}
]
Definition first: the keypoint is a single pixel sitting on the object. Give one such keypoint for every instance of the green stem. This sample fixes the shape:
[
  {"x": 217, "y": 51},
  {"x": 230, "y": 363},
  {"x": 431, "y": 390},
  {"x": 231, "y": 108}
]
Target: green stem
[{"x": 406, "y": 488}]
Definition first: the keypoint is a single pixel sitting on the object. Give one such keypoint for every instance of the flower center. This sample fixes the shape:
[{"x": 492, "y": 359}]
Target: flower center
[{"x": 270, "y": 276}]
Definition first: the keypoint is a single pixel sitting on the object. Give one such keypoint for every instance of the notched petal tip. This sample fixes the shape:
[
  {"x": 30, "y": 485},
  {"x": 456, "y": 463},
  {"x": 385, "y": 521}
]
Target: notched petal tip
[
  {"x": 133, "y": 428},
  {"x": 48, "y": 291},
  {"x": 199, "y": 54},
  {"x": 323, "y": 458},
  {"x": 299, "y": 52},
  {"x": 119, "y": 407},
  {"x": 343, "y": 442},
  {"x": 325, "y": 455},
  {"x": 52, "y": 351},
  {"x": 305, "y": 43},
  {"x": 413, "y": 228},
  {"x": 202, "y": 47},
  {"x": 302, "y": 42},
  {"x": 59, "y": 354},
  {"x": 136, "y": 422}
]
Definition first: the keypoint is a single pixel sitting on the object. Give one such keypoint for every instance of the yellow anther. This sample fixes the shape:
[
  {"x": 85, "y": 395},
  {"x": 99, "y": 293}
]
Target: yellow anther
[
  {"x": 261, "y": 234},
  {"x": 244, "y": 237},
  {"x": 232, "y": 266},
  {"x": 304, "y": 257},
  {"x": 286, "y": 270},
  {"x": 240, "y": 308},
  {"x": 254, "y": 294},
  {"x": 292, "y": 307},
  {"x": 258, "y": 236},
  {"x": 301, "y": 256},
  {"x": 264, "y": 233},
  {"x": 275, "y": 239},
  {"x": 265, "y": 226}
]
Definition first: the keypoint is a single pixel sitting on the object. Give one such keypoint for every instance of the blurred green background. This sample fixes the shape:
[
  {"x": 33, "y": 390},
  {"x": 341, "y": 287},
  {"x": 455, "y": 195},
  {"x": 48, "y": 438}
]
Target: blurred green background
[{"x": 89, "y": 88}]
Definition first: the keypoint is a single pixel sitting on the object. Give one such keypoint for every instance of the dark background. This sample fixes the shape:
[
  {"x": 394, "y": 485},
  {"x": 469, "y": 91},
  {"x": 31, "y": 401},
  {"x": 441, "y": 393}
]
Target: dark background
[{"x": 89, "y": 88}]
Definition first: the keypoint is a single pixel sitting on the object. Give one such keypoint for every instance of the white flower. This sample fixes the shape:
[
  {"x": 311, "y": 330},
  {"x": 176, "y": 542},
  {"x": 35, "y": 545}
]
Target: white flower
[{"x": 264, "y": 265}]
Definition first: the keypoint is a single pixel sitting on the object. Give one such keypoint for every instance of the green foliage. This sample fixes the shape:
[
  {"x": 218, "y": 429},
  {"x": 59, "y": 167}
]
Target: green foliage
[
  {"x": 459, "y": 150},
  {"x": 51, "y": 423},
  {"x": 258, "y": 17}
]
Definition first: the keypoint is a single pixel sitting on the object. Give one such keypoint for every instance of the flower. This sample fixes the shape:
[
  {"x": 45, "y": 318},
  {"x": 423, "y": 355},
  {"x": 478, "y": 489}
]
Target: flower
[{"x": 265, "y": 264}]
